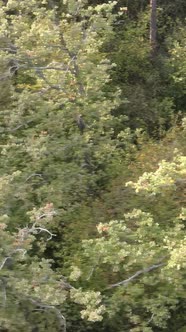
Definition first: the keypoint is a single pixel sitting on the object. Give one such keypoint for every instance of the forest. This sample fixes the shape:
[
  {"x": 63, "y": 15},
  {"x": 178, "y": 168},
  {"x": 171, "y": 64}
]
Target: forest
[{"x": 92, "y": 166}]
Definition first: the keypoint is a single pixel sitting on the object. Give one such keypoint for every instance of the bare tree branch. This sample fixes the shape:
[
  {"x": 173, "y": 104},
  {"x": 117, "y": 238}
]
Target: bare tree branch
[
  {"x": 45, "y": 215},
  {"x": 4, "y": 261},
  {"x": 150, "y": 320},
  {"x": 47, "y": 68},
  {"x": 30, "y": 65},
  {"x": 12, "y": 50},
  {"x": 126, "y": 281},
  {"x": 32, "y": 175},
  {"x": 44, "y": 307},
  {"x": 24, "y": 251},
  {"x": 73, "y": 58},
  {"x": 4, "y": 296},
  {"x": 10, "y": 257},
  {"x": 20, "y": 126},
  {"x": 41, "y": 229}
]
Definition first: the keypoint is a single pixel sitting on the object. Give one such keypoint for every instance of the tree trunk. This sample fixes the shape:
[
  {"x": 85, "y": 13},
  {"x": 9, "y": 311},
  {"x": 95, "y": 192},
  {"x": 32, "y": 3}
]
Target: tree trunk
[{"x": 153, "y": 26}]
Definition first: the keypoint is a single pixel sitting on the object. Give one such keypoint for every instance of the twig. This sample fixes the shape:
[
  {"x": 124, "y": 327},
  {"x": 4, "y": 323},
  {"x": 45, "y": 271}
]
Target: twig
[
  {"x": 45, "y": 215},
  {"x": 20, "y": 249},
  {"x": 46, "y": 68},
  {"x": 10, "y": 257},
  {"x": 32, "y": 175},
  {"x": 73, "y": 58},
  {"x": 39, "y": 73},
  {"x": 93, "y": 269},
  {"x": 4, "y": 294},
  {"x": 9, "y": 49},
  {"x": 126, "y": 281},
  {"x": 4, "y": 261},
  {"x": 41, "y": 229},
  {"x": 91, "y": 273},
  {"x": 150, "y": 320},
  {"x": 21, "y": 125},
  {"x": 58, "y": 313}
]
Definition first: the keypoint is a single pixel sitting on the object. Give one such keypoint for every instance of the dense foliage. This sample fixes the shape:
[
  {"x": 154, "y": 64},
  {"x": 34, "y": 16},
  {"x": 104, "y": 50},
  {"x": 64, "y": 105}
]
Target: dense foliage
[{"x": 92, "y": 167}]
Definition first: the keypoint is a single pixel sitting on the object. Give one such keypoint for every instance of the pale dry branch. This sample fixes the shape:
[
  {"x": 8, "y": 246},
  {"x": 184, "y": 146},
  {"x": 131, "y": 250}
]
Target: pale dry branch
[
  {"x": 21, "y": 125},
  {"x": 10, "y": 257},
  {"x": 44, "y": 307},
  {"x": 9, "y": 49},
  {"x": 150, "y": 320},
  {"x": 24, "y": 251},
  {"x": 32, "y": 175},
  {"x": 91, "y": 273},
  {"x": 126, "y": 281},
  {"x": 47, "y": 215},
  {"x": 47, "y": 68},
  {"x": 65, "y": 284},
  {"x": 4, "y": 295},
  {"x": 4, "y": 261},
  {"x": 41, "y": 229}
]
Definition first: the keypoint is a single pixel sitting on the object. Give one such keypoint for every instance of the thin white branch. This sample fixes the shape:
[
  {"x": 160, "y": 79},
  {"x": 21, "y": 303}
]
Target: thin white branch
[
  {"x": 58, "y": 313},
  {"x": 91, "y": 273},
  {"x": 126, "y": 281},
  {"x": 21, "y": 125},
  {"x": 93, "y": 269},
  {"x": 32, "y": 175},
  {"x": 4, "y": 294},
  {"x": 150, "y": 320},
  {"x": 65, "y": 285},
  {"x": 4, "y": 261},
  {"x": 41, "y": 229},
  {"x": 45, "y": 215},
  {"x": 46, "y": 68},
  {"x": 9, "y": 49},
  {"x": 21, "y": 250},
  {"x": 10, "y": 257}
]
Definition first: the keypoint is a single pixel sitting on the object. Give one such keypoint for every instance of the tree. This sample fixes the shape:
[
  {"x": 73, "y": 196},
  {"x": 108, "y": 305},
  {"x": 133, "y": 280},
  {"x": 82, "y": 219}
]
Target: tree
[
  {"x": 66, "y": 153},
  {"x": 145, "y": 255},
  {"x": 48, "y": 166},
  {"x": 178, "y": 65}
]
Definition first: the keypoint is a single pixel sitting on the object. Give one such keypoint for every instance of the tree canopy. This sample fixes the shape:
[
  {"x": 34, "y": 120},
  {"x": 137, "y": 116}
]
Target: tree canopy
[{"x": 93, "y": 166}]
